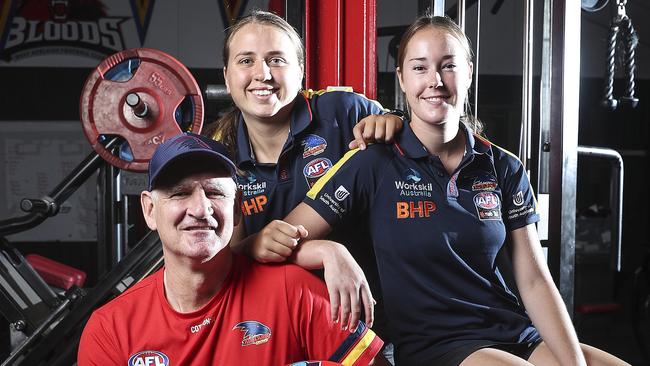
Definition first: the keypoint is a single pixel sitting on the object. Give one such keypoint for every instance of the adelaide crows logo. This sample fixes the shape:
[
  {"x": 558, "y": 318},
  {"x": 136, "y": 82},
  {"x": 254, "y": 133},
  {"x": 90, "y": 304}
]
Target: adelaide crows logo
[{"x": 255, "y": 333}]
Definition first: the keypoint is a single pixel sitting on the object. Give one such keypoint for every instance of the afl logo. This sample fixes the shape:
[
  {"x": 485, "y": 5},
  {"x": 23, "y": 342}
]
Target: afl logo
[
  {"x": 316, "y": 167},
  {"x": 486, "y": 200},
  {"x": 518, "y": 199},
  {"x": 412, "y": 175},
  {"x": 149, "y": 358}
]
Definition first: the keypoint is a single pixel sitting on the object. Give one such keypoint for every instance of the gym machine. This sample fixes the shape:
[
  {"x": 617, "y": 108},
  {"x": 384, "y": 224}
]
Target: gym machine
[{"x": 132, "y": 102}]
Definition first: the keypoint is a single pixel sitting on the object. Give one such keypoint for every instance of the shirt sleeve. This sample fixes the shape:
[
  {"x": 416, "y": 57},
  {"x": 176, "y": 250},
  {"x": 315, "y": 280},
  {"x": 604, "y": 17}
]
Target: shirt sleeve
[
  {"x": 96, "y": 347},
  {"x": 348, "y": 187},
  {"x": 345, "y": 109},
  {"x": 321, "y": 338},
  {"x": 519, "y": 205}
]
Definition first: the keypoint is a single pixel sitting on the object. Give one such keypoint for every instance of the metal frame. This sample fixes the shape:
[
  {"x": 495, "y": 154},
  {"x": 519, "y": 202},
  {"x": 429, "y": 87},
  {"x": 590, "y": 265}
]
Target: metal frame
[
  {"x": 615, "y": 196},
  {"x": 559, "y": 109},
  {"x": 438, "y": 6},
  {"x": 54, "y": 322},
  {"x": 340, "y": 45},
  {"x": 527, "y": 87}
]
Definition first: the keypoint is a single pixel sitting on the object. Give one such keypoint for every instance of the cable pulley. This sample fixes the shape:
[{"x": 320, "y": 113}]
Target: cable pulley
[{"x": 622, "y": 36}]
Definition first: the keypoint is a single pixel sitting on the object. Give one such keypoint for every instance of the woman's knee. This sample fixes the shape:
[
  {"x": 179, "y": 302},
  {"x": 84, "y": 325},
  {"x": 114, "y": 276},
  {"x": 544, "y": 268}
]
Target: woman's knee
[
  {"x": 491, "y": 356},
  {"x": 597, "y": 357}
]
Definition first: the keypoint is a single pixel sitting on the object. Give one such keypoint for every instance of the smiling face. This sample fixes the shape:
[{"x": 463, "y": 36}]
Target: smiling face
[
  {"x": 263, "y": 74},
  {"x": 194, "y": 215},
  {"x": 435, "y": 75}
]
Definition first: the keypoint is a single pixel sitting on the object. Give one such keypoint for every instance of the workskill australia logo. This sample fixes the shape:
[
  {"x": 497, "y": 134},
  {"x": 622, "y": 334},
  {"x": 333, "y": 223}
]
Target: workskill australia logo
[
  {"x": 316, "y": 169},
  {"x": 412, "y": 176},
  {"x": 74, "y": 27},
  {"x": 412, "y": 185},
  {"x": 255, "y": 333},
  {"x": 250, "y": 186},
  {"x": 313, "y": 145},
  {"x": 149, "y": 358}
]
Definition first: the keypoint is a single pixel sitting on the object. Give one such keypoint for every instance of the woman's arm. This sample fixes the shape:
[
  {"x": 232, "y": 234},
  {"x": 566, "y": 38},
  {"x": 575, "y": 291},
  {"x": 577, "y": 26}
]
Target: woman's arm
[
  {"x": 542, "y": 299},
  {"x": 346, "y": 282},
  {"x": 380, "y": 128}
]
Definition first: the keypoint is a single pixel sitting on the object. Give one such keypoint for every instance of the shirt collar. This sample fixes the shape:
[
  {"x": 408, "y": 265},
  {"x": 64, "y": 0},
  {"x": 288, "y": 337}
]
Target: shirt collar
[
  {"x": 408, "y": 142},
  {"x": 301, "y": 117},
  {"x": 475, "y": 143}
]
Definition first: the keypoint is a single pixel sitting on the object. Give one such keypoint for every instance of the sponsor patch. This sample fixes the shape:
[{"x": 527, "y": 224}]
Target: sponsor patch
[
  {"x": 484, "y": 183},
  {"x": 341, "y": 193},
  {"x": 313, "y": 145},
  {"x": 520, "y": 211},
  {"x": 488, "y": 206},
  {"x": 332, "y": 203},
  {"x": 250, "y": 186},
  {"x": 410, "y": 189},
  {"x": 412, "y": 175},
  {"x": 316, "y": 169},
  {"x": 254, "y": 205},
  {"x": 255, "y": 333},
  {"x": 197, "y": 328},
  {"x": 518, "y": 198},
  {"x": 149, "y": 358},
  {"x": 412, "y": 210}
]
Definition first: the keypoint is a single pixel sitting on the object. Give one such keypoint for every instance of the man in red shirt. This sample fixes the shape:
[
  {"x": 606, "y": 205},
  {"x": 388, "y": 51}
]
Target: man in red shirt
[{"x": 208, "y": 306}]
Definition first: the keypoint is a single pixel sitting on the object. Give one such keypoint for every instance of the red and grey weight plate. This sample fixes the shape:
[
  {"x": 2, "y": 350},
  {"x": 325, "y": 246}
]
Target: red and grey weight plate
[{"x": 145, "y": 96}]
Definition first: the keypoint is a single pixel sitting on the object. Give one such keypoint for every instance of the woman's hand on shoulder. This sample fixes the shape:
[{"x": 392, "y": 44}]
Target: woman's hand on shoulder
[
  {"x": 376, "y": 128},
  {"x": 276, "y": 241}
]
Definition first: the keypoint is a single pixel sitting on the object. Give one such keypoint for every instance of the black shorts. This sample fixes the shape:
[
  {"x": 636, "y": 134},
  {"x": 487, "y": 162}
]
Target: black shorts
[{"x": 458, "y": 355}]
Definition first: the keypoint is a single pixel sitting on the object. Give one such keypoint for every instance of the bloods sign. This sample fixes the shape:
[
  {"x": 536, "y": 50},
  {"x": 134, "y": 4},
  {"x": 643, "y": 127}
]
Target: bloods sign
[{"x": 74, "y": 27}]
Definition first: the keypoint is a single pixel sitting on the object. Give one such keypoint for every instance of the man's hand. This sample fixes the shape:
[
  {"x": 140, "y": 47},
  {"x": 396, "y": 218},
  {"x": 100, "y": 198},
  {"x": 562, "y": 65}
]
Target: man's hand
[
  {"x": 348, "y": 288},
  {"x": 375, "y": 128},
  {"x": 275, "y": 242}
]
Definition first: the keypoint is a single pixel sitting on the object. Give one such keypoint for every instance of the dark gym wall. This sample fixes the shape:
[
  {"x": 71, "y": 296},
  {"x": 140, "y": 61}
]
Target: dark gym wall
[{"x": 52, "y": 94}]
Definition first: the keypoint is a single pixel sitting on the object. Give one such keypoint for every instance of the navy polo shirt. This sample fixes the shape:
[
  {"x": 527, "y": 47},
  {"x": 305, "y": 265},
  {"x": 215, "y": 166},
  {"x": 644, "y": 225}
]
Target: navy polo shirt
[
  {"x": 436, "y": 238},
  {"x": 320, "y": 131},
  {"x": 321, "y": 128}
]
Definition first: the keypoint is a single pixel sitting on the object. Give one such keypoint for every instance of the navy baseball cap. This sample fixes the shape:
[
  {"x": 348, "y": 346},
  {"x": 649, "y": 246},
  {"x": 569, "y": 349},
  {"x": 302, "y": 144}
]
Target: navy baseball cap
[{"x": 184, "y": 146}]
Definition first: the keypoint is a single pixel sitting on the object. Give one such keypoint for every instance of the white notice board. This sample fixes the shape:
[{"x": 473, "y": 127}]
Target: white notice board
[{"x": 36, "y": 157}]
